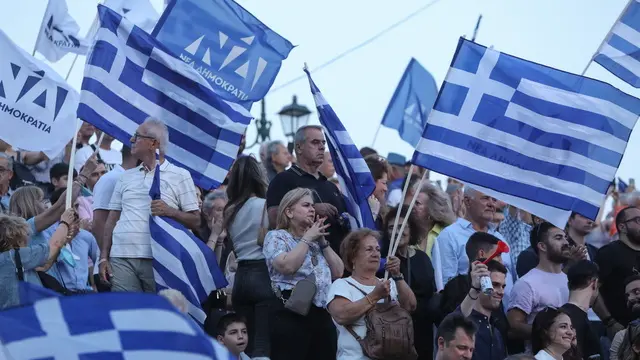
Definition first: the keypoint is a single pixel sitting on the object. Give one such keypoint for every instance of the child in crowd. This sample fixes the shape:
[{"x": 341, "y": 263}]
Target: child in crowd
[{"x": 232, "y": 333}]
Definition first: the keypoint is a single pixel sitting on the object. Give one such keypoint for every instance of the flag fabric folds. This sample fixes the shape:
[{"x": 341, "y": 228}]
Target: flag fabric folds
[
  {"x": 356, "y": 182},
  {"x": 59, "y": 33},
  {"x": 140, "y": 12},
  {"x": 104, "y": 326},
  {"x": 181, "y": 261},
  {"x": 411, "y": 103},
  {"x": 622, "y": 186},
  {"x": 239, "y": 55},
  {"x": 620, "y": 51},
  {"x": 37, "y": 107},
  {"x": 543, "y": 140},
  {"x": 30, "y": 293},
  {"x": 130, "y": 76}
]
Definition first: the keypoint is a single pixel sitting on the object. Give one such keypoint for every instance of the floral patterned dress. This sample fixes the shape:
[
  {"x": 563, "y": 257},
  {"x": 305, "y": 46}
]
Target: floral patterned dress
[{"x": 277, "y": 242}]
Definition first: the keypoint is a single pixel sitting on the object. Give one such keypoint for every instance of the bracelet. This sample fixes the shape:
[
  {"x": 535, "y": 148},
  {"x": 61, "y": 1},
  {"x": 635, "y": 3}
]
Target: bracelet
[
  {"x": 398, "y": 278},
  {"x": 100, "y": 262},
  {"x": 369, "y": 300},
  {"x": 471, "y": 297},
  {"x": 306, "y": 242},
  {"x": 62, "y": 222}
]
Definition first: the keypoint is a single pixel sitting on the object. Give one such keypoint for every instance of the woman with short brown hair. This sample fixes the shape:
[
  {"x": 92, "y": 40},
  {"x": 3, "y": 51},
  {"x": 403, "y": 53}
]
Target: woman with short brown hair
[{"x": 347, "y": 302}]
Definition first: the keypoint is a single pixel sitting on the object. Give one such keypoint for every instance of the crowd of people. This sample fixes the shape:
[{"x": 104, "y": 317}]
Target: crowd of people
[{"x": 302, "y": 283}]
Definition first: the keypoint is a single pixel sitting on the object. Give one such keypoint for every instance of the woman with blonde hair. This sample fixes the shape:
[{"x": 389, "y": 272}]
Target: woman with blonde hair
[
  {"x": 301, "y": 267},
  {"x": 19, "y": 260},
  {"x": 434, "y": 211}
]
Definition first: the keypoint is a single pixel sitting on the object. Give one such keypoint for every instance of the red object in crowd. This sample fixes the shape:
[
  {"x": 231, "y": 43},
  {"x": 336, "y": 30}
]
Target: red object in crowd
[{"x": 503, "y": 248}]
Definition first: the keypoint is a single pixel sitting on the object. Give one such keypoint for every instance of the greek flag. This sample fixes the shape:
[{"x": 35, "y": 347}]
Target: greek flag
[
  {"x": 356, "y": 182},
  {"x": 181, "y": 261},
  {"x": 130, "y": 76},
  {"x": 103, "y": 326},
  {"x": 620, "y": 51},
  {"x": 543, "y": 140}
]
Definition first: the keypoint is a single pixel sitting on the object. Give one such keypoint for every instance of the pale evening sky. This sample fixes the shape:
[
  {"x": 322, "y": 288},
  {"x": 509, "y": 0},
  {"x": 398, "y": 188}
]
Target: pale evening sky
[{"x": 559, "y": 33}]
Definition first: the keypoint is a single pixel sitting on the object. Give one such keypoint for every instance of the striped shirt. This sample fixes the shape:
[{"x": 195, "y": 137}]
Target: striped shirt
[{"x": 131, "y": 238}]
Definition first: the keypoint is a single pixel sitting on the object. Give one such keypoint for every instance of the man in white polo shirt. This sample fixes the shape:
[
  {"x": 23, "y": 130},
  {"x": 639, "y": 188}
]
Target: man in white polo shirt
[{"x": 125, "y": 252}]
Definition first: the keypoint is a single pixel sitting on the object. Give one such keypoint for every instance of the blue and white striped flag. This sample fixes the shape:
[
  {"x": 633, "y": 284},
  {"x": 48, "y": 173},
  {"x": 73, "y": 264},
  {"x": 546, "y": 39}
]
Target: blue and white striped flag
[
  {"x": 356, "y": 182},
  {"x": 543, "y": 140},
  {"x": 620, "y": 51},
  {"x": 121, "y": 326},
  {"x": 181, "y": 261},
  {"x": 130, "y": 76}
]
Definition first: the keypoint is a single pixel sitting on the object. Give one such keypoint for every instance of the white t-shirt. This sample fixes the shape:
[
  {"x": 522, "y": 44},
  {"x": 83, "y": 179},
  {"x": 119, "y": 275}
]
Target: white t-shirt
[
  {"x": 111, "y": 158},
  {"x": 131, "y": 237},
  {"x": 348, "y": 346},
  {"x": 103, "y": 190}
]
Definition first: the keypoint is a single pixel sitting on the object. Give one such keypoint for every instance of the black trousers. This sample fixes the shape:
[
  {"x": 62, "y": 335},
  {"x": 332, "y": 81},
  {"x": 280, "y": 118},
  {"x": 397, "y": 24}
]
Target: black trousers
[
  {"x": 253, "y": 298},
  {"x": 296, "y": 337}
]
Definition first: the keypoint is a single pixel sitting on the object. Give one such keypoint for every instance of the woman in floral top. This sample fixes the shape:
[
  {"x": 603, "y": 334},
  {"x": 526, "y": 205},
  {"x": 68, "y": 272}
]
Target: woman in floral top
[{"x": 292, "y": 252}]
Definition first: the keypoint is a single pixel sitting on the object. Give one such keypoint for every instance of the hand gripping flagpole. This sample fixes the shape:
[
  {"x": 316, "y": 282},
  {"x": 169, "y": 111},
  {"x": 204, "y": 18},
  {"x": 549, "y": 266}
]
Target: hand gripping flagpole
[{"x": 395, "y": 240}]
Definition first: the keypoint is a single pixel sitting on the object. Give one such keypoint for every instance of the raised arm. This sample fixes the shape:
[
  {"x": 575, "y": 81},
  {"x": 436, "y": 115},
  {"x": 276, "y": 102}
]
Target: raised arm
[{"x": 346, "y": 312}]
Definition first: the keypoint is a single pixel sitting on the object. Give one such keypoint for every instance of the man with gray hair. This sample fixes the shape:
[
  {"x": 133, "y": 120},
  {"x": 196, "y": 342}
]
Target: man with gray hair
[
  {"x": 310, "y": 146},
  {"x": 277, "y": 158},
  {"x": 6, "y": 173},
  {"x": 125, "y": 252}
]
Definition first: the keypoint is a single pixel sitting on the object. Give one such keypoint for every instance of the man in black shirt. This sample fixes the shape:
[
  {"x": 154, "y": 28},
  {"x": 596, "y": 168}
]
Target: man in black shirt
[
  {"x": 310, "y": 147},
  {"x": 583, "y": 292},
  {"x": 617, "y": 261}
]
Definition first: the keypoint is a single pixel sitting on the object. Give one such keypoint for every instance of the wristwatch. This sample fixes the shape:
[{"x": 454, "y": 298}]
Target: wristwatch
[
  {"x": 324, "y": 245},
  {"x": 398, "y": 278}
]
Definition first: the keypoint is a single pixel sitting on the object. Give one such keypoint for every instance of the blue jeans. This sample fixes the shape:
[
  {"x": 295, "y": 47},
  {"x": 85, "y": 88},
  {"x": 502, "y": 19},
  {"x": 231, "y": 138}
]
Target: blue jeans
[{"x": 253, "y": 298}]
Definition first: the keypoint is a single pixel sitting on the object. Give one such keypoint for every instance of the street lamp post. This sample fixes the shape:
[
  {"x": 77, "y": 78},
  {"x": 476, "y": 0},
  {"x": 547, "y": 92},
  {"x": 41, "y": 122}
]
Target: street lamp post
[
  {"x": 263, "y": 127},
  {"x": 293, "y": 116}
]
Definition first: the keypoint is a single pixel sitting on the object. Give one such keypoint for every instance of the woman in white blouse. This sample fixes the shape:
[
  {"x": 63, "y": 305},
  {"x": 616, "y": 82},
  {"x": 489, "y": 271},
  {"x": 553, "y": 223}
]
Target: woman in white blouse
[
  {"x": 552, "y": 336},
  {"x": 348, "y": 305},
  {"x": 293, "y": 252}
]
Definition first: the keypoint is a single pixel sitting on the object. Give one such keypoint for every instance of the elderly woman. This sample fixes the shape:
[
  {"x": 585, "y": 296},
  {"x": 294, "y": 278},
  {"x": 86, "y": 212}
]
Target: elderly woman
[
  {"x": 417, "y": 270},
  {"x": 433, "y": 210},
  {"x": 244, "y": 218},
  {"x": 15, "y": 247},
  {"x": 346, "y": 302},
  {"x": 293, "y": 252},
  {"x": 212, "y": 229}
]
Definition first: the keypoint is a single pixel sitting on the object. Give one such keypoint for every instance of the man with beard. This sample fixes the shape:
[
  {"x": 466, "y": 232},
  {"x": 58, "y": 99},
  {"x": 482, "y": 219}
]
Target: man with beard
[
  {"x": 478, "y": 307},
  {"x": 583, "y": 292},
  {"x": 543, "y": 286},
  {"x": 632, "y": 293},
  {"x": 619, "y": 260}
]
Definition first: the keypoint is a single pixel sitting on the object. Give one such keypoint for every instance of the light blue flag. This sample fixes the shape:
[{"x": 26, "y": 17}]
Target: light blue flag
[
  {"x": 181, "y": 261},
  {"x": 540, "y": 139},
  {"x": 130, "y": 76},
  {"x": 411, "y": 103},
  {"x": 120, "y": 326},
  {"x": 620, "y": 51},
  {"x": 356, "y": 182},
  {"x": 622, "y": 186},
  {"x": 239, "y": 55}
]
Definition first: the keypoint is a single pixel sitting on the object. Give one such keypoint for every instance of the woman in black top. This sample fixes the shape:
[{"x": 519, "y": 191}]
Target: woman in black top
[{"x": 417, "y": 269}]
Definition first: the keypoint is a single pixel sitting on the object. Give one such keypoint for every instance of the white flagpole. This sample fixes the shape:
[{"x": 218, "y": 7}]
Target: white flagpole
[
  {"x": 73, "y": 63},
  {"x": 393, "y": 246},
  {"x": 395, "y": 222},
  {"x": 376, "y": 135},
  {"x": 606, "y": 37},
  {"x": 71, "y": 162}
]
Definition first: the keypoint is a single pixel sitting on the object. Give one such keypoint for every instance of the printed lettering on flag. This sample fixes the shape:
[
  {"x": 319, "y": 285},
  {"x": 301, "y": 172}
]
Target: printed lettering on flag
[
  {"x": 239, "y": 55},
  {"x": 354, "y": 176},
  {"x": 37, "y": 107},
  {"x": 121, "y": 325},
  {"x": 411, "y": 103},
  {"x": 541, "y": 137},
  {"x": 59, "y": 33},
  {"x": 620, "y": 51},
  {"x": 130, "y": 76}
]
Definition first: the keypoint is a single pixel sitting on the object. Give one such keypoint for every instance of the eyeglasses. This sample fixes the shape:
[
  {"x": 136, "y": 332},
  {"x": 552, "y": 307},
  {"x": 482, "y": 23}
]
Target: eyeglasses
[
  {"x": 137, "y": 136},
  {"x": 635, "y": 220},
  {"x": 4, "y": 170}
]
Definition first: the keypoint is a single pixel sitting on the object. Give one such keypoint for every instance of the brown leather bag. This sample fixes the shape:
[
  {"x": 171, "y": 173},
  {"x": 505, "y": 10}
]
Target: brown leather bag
[{"x": 389, "y": 332}]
